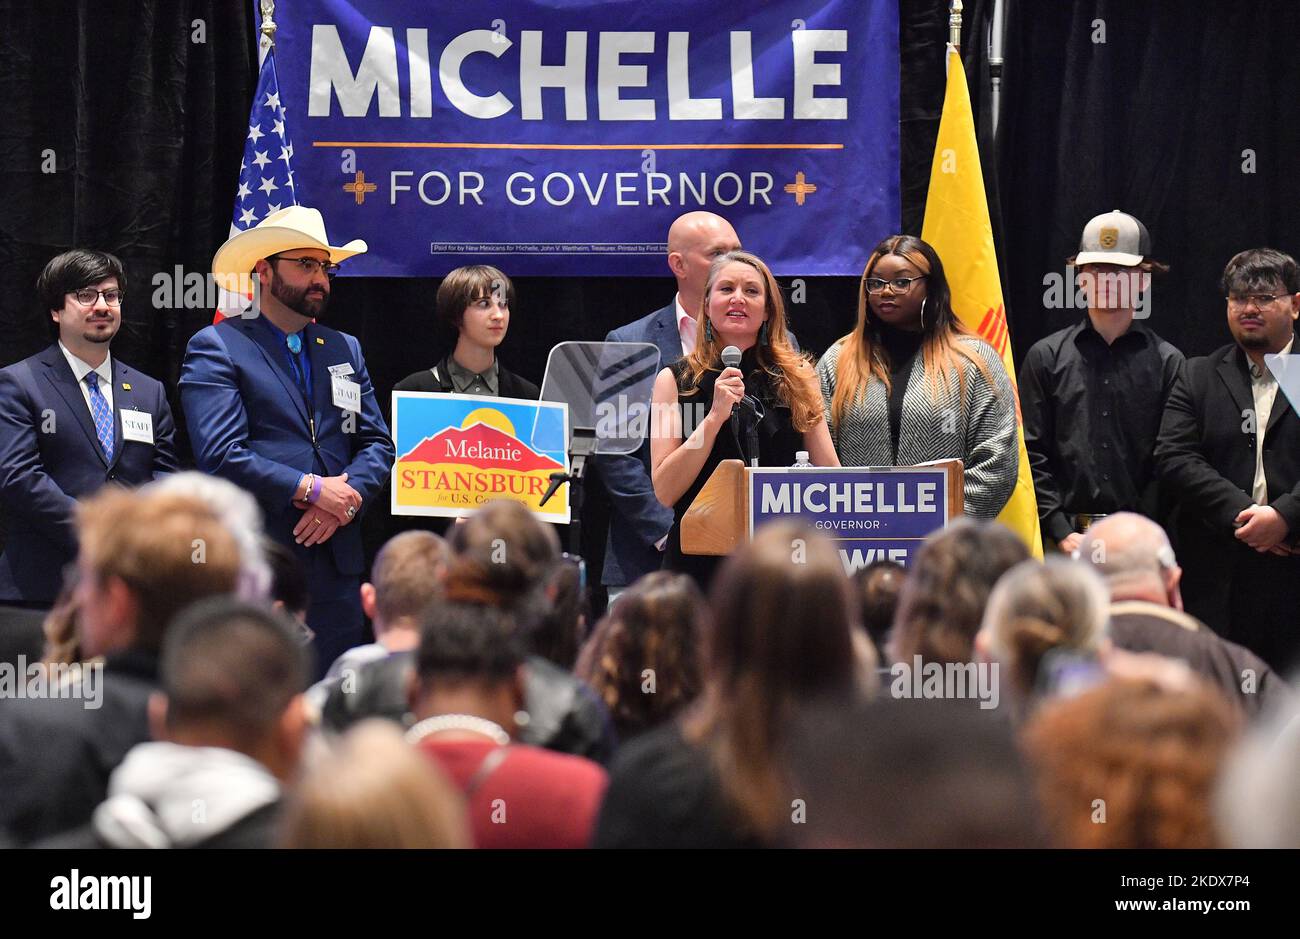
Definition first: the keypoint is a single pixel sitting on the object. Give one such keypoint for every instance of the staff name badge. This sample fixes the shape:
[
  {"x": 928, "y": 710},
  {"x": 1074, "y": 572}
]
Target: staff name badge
[
  {"x": 137, "y": 425},
  {"x": 347, "y": 394},
  {"x": 341, "y": 370}
]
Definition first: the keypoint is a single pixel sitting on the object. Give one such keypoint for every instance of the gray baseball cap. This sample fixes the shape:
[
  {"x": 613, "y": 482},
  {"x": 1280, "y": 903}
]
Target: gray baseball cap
[{"x": 1114, "y": 238}]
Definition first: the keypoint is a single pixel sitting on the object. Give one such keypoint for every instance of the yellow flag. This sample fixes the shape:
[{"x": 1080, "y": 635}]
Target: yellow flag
[{"x": 957, "y": 227}]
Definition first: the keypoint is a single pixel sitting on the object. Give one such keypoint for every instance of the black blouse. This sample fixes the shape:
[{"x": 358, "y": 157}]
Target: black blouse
[{"x": 778, "y": 442}]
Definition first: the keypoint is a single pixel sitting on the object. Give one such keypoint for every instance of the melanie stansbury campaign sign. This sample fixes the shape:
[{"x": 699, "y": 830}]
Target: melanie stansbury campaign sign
[
  {"x": 561, "y": 137},
  {"x": 456, "y": 452}
]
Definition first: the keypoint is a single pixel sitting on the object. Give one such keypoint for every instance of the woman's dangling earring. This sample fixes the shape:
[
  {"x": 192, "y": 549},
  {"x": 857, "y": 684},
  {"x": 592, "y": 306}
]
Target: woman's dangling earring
[
  {"x": 923, "y": 299},
  {"x": 763, "y": 334},
  {"x": 708, "y": 329}
]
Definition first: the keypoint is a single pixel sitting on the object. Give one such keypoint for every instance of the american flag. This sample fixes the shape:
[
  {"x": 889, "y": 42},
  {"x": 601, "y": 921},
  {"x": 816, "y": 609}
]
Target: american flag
[{"x": 266, "y": 172}]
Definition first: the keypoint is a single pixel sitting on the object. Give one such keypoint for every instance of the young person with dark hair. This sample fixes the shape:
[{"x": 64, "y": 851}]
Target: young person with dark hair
[
  {"x": 1229, "y": 448},
  {"x": 72, "y": 418},
  {"x": 475, "y": 303}
]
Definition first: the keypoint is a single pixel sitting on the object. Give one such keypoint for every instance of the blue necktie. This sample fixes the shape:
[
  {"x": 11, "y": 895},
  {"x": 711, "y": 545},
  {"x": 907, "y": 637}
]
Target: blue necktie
[{"x": 102, "y": 414}]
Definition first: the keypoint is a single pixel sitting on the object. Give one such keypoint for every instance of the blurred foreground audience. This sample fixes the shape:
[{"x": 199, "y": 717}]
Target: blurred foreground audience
[
  {"x": 371, "y": 790},
  {"x": 642, "y": 660},
  {"x": 1132, "y": 763},
  {"x": 782, "y": 637},
  {"x": 228, "y": 725},
  {"x": 143, "y": 557}
]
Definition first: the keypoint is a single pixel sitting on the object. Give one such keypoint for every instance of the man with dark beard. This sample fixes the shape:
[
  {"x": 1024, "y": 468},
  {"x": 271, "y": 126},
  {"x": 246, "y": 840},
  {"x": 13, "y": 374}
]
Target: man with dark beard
[
  {"x": 283, "y": 407},
  {"x": 1229, "y": 446}
]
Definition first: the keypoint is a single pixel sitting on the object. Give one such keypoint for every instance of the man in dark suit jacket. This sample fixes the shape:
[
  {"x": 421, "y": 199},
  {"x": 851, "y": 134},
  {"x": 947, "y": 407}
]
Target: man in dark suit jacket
[
  {"x": 283, "y": 407},
  {"x": 1229, "y": 446},
  {"x": 638, "y": 523},
  {"x": 72, "y": 418}
]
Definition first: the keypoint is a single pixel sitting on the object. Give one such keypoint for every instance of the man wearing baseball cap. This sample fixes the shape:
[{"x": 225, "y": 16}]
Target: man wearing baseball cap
[
  {"x": 1091, "y": 395},
  {"x": 283, "y": 407}
]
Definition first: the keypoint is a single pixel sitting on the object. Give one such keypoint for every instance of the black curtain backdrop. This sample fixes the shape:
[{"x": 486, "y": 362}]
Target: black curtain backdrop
[{"x": 1155, "y": 121}]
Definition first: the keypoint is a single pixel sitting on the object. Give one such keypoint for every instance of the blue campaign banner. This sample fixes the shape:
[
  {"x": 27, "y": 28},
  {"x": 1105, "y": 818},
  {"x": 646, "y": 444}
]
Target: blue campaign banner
[
  {"x": 872, "y": 513},
  {"x": 562, "y": 137}
]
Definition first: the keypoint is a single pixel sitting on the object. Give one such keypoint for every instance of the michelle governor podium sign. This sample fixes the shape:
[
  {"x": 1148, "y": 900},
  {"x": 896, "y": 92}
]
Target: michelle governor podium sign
[{"x": 873, "y": 513}]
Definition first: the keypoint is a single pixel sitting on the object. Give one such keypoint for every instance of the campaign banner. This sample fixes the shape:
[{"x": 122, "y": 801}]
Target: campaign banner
[
  {"x": 562, "y": 137},
  {"x": 456, "y": 452},
  {"x": 872, "y": 513}
]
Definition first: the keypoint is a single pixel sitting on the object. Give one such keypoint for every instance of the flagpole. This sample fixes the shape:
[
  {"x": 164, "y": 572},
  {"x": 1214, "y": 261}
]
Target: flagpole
[
  {"x": 954, "y": 24},
  {"x": 267, "y": 29}
]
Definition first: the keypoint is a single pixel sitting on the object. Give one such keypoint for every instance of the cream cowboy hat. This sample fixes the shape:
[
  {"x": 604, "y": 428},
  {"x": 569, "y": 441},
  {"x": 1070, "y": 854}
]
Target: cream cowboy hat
[{"x": 294, "y": 227}]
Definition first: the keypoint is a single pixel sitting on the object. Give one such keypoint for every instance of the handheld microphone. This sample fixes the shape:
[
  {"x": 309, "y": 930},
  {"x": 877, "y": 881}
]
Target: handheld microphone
[{"x": 731, "y": 359}]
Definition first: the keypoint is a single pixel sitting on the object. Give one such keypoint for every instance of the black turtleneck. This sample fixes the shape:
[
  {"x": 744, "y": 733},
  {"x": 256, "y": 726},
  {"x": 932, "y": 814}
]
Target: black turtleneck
[{"x": 902, "y": 346}]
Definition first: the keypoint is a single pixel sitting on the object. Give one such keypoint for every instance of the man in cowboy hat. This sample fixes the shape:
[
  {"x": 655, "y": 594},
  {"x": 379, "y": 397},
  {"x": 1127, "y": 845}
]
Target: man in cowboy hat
[{"x": 283, "y": 406}]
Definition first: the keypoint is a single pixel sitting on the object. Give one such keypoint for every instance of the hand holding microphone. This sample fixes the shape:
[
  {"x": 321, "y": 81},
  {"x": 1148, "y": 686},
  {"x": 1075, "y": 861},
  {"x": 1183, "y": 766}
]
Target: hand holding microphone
[{"x": 729, "y": 389}]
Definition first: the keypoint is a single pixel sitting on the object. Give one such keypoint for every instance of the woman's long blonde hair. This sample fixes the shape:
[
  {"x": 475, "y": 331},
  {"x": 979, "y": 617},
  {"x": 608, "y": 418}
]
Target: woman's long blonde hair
[
  {"x": 862, "y": 352},
  {"x": 777, "y": 357}
]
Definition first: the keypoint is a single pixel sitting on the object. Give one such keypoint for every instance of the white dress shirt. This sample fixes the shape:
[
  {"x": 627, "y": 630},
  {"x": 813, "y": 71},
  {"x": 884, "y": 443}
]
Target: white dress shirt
[
  {"x": 1263, "y": 388},
  {"x": 82, "y": 369},
  {"x": 686, "y": 327}
]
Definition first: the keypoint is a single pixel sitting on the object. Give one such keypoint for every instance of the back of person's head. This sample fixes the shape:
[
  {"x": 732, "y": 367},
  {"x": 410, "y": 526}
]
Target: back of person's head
[
  {"x": 652, "y": 635},
  {"x": 407, "y": 575},
  {"x": 1040, "y": 607},
  {"x": 783, "y": 618},
  {"x": 508, "y": 555},
  {"x": 947, "y": 588},
  {"x": 288, "y": 579},
  {"x": 468, "y": 643},
  {"x": 232, "y": 675},
  {"x": 559, "y": 631},
  {"x": 909, "y": 774},
  {"x": 1131, "y": 764},
  {"x": 239, "y": 512},
  {"x": 372, "y": 790},
  {"x": 161, "y": 551},
  {"x": 1133, "y": 555},
  {"x": 879, "y": 586}
]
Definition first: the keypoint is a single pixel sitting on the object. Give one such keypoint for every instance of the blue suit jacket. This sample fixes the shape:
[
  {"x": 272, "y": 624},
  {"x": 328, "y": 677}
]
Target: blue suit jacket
[
  {"x": 637, "y": 520},
  {"x": 249, "y": 424},
  {"x": 50, "y": 456}
]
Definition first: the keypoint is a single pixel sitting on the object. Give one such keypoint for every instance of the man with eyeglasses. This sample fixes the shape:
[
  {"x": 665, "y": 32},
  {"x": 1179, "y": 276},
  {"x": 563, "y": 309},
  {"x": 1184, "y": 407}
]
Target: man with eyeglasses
[
  {"x": 283, "y": 406},
  {"x": 72, "y": 418},
  {"x": 1091, "y": 395},
  {"x": 1230, "y": 448}
]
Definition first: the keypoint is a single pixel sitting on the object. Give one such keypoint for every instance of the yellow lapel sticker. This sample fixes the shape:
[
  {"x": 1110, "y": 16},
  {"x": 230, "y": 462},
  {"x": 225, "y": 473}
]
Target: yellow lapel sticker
[
  {"x": 126, "y": 386},
  {"x": 320, "y": 341}
]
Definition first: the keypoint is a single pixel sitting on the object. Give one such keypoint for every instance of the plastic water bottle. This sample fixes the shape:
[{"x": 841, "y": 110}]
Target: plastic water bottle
[{"x": 801, "y": 460}]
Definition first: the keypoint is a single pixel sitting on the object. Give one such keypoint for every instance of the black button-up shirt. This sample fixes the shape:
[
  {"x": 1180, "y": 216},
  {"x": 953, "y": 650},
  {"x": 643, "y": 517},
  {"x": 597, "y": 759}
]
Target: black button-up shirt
[{"x": 1091, "y": 414}]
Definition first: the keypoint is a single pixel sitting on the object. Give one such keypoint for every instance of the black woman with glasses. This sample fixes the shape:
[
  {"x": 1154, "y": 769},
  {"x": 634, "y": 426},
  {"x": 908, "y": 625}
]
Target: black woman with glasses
[
  {"x": 72, "y": 418},
  {"x": 282, "y": 406},
  {"x": 911, "y": 384}
]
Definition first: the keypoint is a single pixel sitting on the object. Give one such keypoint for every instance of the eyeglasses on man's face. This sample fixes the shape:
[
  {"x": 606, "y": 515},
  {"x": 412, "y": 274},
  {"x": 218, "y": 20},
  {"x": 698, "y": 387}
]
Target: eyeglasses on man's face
[
  {"x": 897, "y": 284},
  {"x": 309, "y": 266},
  {"x": 88, "y": 296},
  {"x": 1257, "y": 300}
]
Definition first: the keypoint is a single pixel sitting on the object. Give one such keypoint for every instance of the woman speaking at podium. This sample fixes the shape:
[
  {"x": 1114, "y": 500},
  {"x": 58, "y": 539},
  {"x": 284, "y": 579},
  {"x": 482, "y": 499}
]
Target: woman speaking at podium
[
  {"x": 706, "y": 412},
  {"x": 911, "y": 384}
]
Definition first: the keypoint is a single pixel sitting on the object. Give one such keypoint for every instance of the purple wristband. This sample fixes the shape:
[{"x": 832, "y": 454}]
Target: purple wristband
[{"x": 315, "y": 491}]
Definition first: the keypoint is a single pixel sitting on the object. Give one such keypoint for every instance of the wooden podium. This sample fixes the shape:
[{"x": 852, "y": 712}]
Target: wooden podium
[{"x": 721, "y": 518}]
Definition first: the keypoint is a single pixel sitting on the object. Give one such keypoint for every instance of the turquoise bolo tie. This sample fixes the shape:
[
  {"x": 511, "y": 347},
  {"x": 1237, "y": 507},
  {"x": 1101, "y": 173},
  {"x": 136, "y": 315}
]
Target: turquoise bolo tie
[{"x": 294, "y": 342}]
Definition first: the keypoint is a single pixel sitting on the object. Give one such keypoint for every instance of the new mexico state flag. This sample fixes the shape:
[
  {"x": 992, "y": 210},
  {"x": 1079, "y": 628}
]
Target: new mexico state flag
[{"x": 957, "y": 227}]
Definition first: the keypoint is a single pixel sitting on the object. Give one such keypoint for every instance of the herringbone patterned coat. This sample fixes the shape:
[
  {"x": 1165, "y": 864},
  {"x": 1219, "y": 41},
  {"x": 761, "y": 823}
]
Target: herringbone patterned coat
[{"x": 980, "y": 430}]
